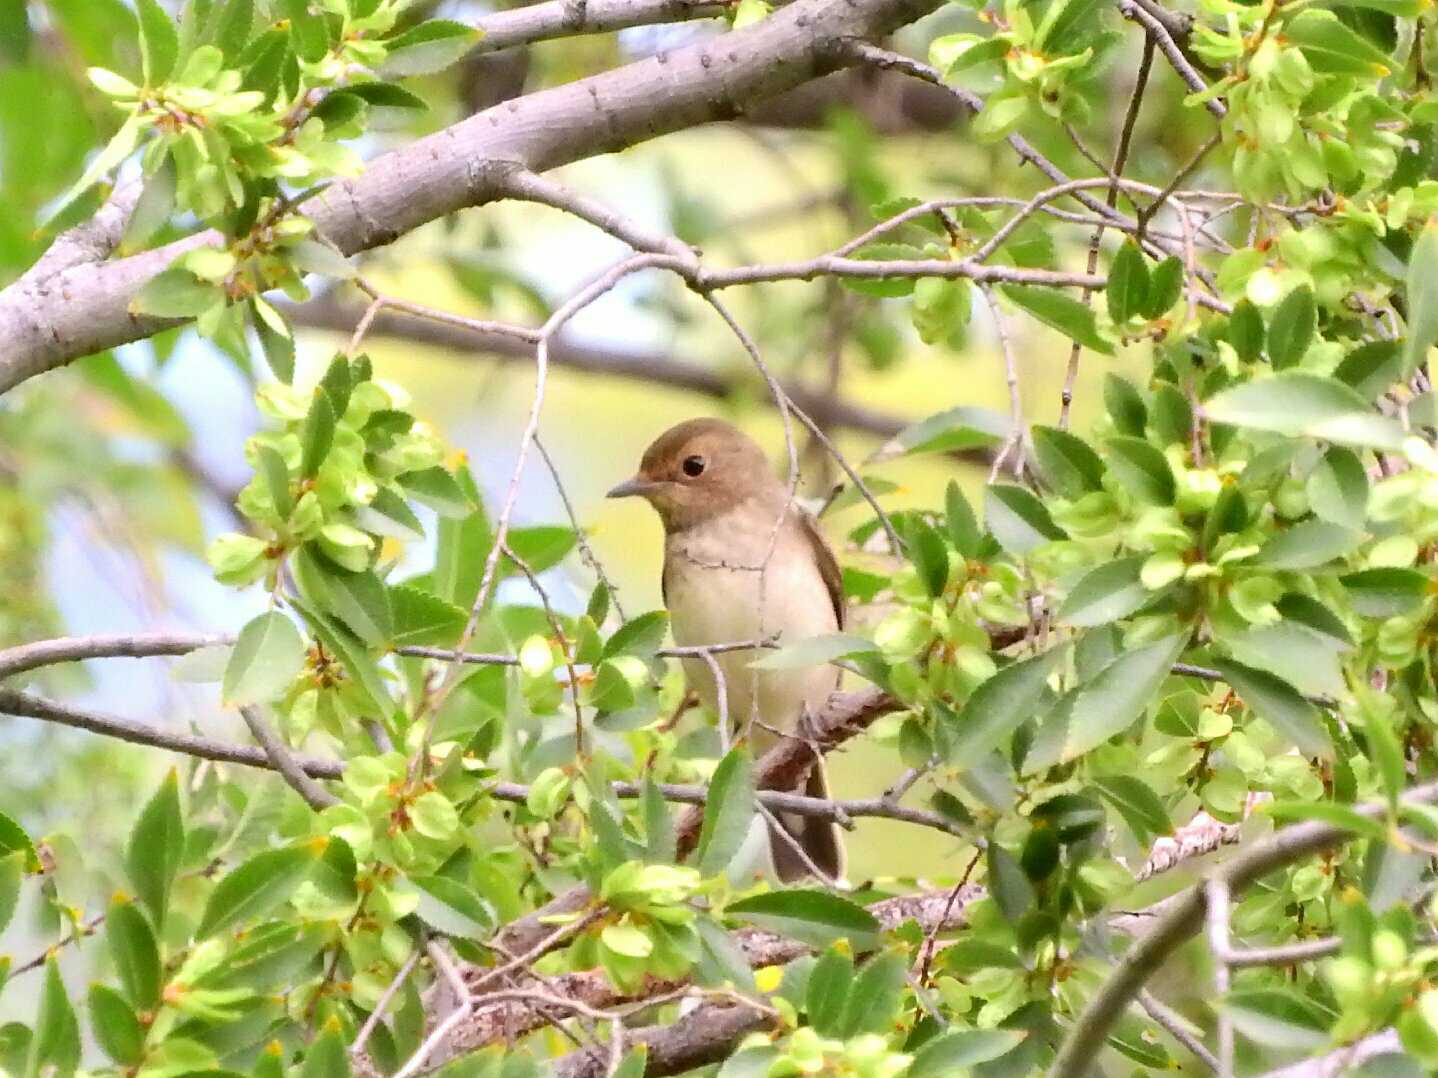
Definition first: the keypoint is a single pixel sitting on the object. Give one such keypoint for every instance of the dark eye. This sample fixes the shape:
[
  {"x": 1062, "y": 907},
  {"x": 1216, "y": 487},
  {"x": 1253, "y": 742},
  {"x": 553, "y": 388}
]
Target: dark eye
[{"x": 693, "y": 467}]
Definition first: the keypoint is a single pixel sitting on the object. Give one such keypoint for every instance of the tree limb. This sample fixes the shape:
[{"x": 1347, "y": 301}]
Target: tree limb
[{"x": 87, "y": 308}]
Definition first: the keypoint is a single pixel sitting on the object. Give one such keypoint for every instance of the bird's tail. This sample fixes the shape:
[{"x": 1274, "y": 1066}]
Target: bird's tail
[{"x": 818, "y": 838}]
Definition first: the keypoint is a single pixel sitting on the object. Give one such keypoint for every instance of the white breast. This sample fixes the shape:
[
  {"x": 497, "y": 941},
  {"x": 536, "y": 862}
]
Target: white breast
[{"x": 717, "y": 595}]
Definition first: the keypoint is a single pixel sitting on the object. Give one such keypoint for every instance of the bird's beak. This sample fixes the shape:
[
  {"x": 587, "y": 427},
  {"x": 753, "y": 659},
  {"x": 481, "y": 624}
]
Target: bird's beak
[{"x": 630, "y": 488}]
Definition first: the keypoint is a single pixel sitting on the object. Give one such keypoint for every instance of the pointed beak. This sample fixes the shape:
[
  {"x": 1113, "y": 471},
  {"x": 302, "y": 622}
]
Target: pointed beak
[{"x": 631, "y": 488}]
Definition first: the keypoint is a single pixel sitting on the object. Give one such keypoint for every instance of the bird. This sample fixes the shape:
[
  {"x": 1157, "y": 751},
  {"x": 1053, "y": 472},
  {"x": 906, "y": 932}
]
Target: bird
[{"x": 743, "y": 561}]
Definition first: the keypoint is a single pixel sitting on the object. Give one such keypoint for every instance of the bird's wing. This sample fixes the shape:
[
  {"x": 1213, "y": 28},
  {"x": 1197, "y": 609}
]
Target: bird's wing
[{"x": 828, "y": 564}]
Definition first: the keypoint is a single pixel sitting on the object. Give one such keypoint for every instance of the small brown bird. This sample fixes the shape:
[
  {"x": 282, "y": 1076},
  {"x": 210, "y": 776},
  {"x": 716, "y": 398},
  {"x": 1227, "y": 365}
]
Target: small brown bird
[{"x": 724, "y": 512}]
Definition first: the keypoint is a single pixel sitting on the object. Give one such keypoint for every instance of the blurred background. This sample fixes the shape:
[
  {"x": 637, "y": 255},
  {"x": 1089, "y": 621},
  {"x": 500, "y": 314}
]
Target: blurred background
[{"x": 116, "y": 472}]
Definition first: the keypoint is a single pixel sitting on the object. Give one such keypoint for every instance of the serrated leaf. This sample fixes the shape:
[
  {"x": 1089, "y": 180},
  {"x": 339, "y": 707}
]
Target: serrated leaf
[
  {"x": 1124, "y": 405},
  {"x": 1422, "y": 298},
  {"x": 815, "y": 651},
  {"x": 422, "y": 618},
  {"x": 1018, "y": 520},
  {"x": 326, "y": 1057},
  {"x": 1298, "y": 403},
  {"x": 1137, "y": 804},
  {"x": 815, "y": 917},
  {"x": 1061, "y": 312},
  {"x": 257, "y": 887},
  {"x": 55, "y": 1045},
  {"x": 1338, "y": 488},
  {"x": 13, "y": 839},
  {"x": 1142, "y": 469},
  {"x": 1127, "y": 289},
  {"x": 353, "y": 655},
  {"x": 439, "y": 490},
  {"x": 1291, "y": 329},
  {"x": 827, "y": 991},
  {"x": 12, "y": 871},
  {"x": 176, "y": 293},
  {"x": 1106, "y": 593},
  {"x": 1280, "y": 704},
  {"x": 318, "y": 435},
  {"x": 728, "y": 811},
  {"x": 308, "y": 30},
  {"x": 156, "y": 847},
  {"x": 952, "y": 431},
  {"x": 159, "y": 41},
  {"x": 875, "y": 995},
  {"x": 1008, "y": 884},
  {"x": 999, "y": 706},
  {"x": 1066, "y": 463},
  {"x": 132, "y": 947},
  {"x": 1306, "y": 545},
  {"x": 1117, "y": 696},
  {"x": 267, "y": 657},
  {"x": 641, "y": 635},
  {"x": 1245, "y": 331},
  {"x": 957, "y": 1049},
  {"x": 452, "y": 908},
  {"x": 117, "y": 1031},
  {"x": 429, "y": 47},
  {"x": 359, "y": 600},
  {"x": 1332, "y": 48}
]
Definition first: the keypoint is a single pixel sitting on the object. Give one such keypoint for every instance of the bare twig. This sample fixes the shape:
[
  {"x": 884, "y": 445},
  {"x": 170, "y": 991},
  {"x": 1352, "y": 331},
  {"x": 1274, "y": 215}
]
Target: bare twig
[{"x": 278, "y": 753}]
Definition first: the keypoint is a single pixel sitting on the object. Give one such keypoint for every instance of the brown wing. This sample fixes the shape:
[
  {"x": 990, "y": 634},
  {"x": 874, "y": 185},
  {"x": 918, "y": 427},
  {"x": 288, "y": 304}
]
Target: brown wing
[{"x": 828, "y": 564}]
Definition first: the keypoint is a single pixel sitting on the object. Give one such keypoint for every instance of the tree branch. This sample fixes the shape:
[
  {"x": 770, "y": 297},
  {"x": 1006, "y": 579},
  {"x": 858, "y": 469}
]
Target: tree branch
[
  {"x": 562, "y": 18},
  {"x": 87, "y": 308}
]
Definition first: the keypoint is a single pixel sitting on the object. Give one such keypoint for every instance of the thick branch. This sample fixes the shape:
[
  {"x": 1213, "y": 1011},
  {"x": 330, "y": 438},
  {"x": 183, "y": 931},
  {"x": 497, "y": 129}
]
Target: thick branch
[
  {"x": 563, "y": 18},
  {"x": 87, "y": 308},
  {"x": 1184, "y": 917}
]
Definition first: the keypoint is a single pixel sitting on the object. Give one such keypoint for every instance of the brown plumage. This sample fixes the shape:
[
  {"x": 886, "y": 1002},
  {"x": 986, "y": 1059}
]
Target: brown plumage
[{"x": 741, "y": 563}]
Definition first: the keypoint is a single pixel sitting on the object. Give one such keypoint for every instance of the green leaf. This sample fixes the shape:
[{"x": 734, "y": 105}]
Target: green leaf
[
  {"x": 1066, "y": 463},
  {"x": 277, "y": 479},
  {"x": 827, "y": 992},
  {"x": 953, "y": 431},
  {"x": 1338, "y": 488},
  {"x": 233, "y": 26},
  {"x": 353, "y": 655},
  {"x": 326, "y": 1057},
  {"x": 1245, "y": 331},
  {"x": 1384, "y": 749},
  {"x": 1124, "y": 405},
  {"x": 659, "y": 836},
  {"x": 1371, "y": 368},
  {"x": 957, "y": 1049},
  {"x": 117, "y": 1030},
  {"x": 1008, "y": 883},
  {"x": 156, "y": 846},
  {"x": 450, "y": 907},
  {"x": 1332, "y": 48},
  {"x": 926, "y": 549},
  {"x": 1127, "y": 290},
  {"x": 1292, "y": 328},
  {"x": 1111, "y": 591},
  {"x": 12, "y": 871},
  {"x": 1307, "y": 544},
  {"x": 642, "y": 635},
  {"x": 319, "y": 434},
  {"x": 257, "y": 887},
  {"x": 421, "y": 618},
  {"x": 1137, "y": 804},
  {"x": 1278, "y": 1017},
  {"x": 461, "y": 550},
  {"x": 1000, "y": 705},
  {"x": 875, "y": 995},
  {"x": 308, "y": 29},
  {"x": 1165, "y": 285},
  {"x": 1422, "y": 298},
  {"x": 814, "y": 917},
  {"x": 815, "y": 651},
  {"x": 1298, "y": 403},
  {"x": 153, "y": 209},
  {"x": 268, "y": 655},
  {"x": 55, "y": 1046},
  {"x": 132, "y": 948},
  {"x": 429, "y": 47},
  {"x": 962, "y": 524},
  {"x": 1018, "y": 520},
  {"x": 14, "y": 839},
  {"x": 359, "y": 600},
  {"x": 1280, "y": 704},
  {"x": 1112, "y": 700},
  {"x": 439, "y": 490},
  {"x": 1385, "y": 593},
  {"x": 1063, "y": 313},
  {"x": 1142, "y": 469},
  {"x": 541, "y": 547},
  {"x": 176, "y": 293},
  {"x": 159, "y": 41},
  {"x": 728, "y": 811}
]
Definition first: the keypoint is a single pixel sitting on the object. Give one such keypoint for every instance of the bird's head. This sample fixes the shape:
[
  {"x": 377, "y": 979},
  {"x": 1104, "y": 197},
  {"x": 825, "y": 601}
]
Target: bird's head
[{"x": 699, "y": 470}]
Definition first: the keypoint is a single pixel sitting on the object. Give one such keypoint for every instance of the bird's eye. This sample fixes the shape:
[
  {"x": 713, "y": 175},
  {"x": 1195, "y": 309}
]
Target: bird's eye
[{"x": 693, "y": 467}]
